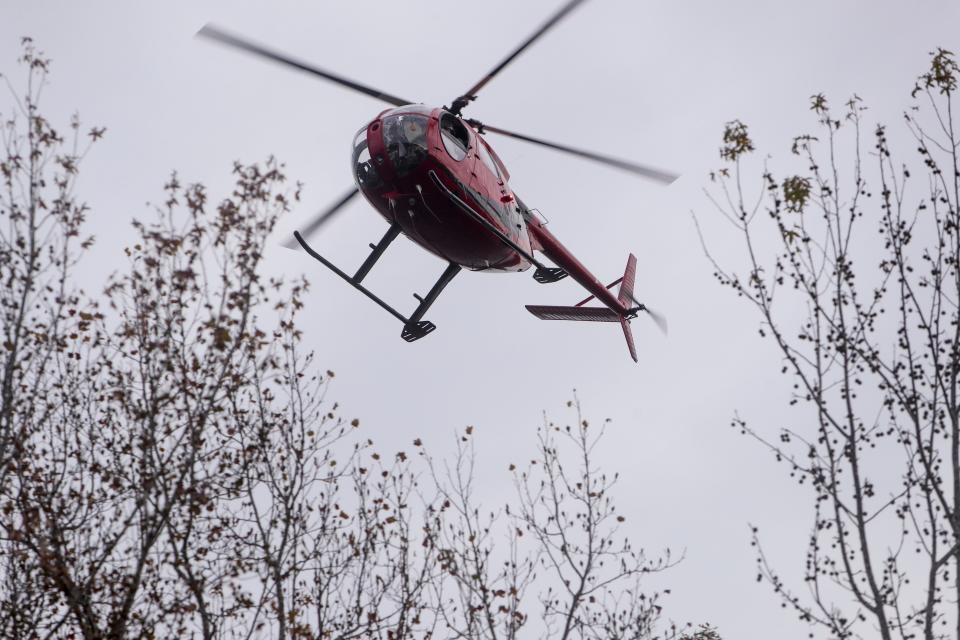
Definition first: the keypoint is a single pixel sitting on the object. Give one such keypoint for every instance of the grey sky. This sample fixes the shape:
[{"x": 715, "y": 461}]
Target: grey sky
[{"x": 650, "y": 81}]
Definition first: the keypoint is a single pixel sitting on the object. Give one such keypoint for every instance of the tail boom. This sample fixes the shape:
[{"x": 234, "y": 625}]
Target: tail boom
[{"x": 560, "y": 255}]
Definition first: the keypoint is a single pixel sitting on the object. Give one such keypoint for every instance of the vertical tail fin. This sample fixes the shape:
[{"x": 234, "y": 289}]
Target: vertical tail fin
[
  {"x": 625, "y": 295},
  {"x": 628, "y": 334}
]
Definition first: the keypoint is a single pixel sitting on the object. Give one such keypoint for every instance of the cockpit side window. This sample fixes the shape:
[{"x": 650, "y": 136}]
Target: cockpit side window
[
  {"x": 456, "y": 139},
  {"x": 487, "y": 160}
]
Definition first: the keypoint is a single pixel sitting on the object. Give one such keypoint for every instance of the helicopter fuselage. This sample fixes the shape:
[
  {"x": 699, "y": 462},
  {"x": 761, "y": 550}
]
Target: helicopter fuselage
[{"x": 434, "y": 176}]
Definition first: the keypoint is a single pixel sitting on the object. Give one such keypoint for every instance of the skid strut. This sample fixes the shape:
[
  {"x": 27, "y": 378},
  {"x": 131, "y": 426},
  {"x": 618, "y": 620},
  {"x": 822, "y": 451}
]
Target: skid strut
[{"x": 413, "y": 327}]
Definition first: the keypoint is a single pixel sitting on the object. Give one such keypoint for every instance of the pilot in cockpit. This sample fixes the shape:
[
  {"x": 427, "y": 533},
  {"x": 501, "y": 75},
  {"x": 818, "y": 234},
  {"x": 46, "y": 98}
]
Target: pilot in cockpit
[
  {"x": 414, "y": 131},
  {"x": 405, "y": 139}
]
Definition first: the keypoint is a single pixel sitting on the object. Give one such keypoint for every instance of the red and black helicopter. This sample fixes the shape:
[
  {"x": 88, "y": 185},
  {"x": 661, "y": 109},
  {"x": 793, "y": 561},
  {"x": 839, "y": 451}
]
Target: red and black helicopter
[{"x": 431, "y": 174}]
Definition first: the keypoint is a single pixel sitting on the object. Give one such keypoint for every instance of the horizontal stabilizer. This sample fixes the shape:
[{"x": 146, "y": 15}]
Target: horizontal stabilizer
[{"x": 587, "y": 314}]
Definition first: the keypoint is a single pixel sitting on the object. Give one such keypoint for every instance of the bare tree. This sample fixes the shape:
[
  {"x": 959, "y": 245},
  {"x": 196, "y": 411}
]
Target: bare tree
[
  {"x": 39, "y": 243},
  {"x": 170, "y": 465},
  {"x": 868, "y": 327},
  {"x": 568, "y": 507},
  {"x": 561, "y": 547}
]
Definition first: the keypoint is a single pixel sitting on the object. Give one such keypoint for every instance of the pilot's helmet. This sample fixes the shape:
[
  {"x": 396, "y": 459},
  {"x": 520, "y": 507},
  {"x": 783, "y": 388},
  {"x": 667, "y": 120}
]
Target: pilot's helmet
[{"x": 413, "y": 129}]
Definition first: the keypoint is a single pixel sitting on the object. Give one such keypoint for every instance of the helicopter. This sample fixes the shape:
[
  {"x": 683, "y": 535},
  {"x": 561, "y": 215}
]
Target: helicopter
[{"x": 431, "y": 174}]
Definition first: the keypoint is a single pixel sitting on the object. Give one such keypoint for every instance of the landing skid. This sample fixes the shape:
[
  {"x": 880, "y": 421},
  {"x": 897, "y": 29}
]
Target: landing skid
[{"x": 414, "y": 327}]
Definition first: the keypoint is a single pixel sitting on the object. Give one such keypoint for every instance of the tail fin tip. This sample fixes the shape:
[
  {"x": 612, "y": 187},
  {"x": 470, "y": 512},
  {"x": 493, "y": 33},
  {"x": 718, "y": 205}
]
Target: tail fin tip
[{"x": 625, "y": 294}]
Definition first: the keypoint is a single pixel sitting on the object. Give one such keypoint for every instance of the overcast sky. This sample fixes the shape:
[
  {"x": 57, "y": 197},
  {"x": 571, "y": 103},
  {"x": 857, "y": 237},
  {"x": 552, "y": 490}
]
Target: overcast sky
[{"x": 652, "y": 81}]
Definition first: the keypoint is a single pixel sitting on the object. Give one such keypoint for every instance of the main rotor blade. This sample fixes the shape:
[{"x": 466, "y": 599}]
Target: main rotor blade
[
  {"x": 323, "y": 217},
  {"x": 639, "y": 169},
  {"x": 221, "y": 36},
  {"x": 471, "y": 93}
]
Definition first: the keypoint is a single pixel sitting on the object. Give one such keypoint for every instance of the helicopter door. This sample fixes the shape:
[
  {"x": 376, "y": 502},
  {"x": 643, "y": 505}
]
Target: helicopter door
[
  {"x": 455, "y": 139},
  {"x": 490, "y": 184}
]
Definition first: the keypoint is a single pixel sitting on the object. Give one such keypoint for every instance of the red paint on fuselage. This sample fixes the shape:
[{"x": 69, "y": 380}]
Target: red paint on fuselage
[{"x": 425, "y": 211}]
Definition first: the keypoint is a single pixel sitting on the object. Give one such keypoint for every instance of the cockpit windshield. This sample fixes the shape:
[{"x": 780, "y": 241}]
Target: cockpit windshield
[
  {"x": 364, "y": 171},
  {"x": 405, "y": 138}
]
